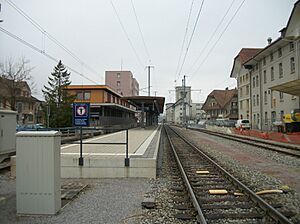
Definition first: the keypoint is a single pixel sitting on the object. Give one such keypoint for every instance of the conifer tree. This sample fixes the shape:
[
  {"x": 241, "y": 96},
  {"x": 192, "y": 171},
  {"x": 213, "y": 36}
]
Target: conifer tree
[{"x": 57, "y": 99}]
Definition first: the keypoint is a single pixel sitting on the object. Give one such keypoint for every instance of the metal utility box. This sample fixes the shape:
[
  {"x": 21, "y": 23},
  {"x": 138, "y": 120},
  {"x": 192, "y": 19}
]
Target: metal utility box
[
  {"x": 38, "y": 172},
  {"x": 7, "y": 131}
]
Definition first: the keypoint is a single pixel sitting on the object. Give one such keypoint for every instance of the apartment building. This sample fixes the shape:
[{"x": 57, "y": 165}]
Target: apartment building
[
  {"x": 242, "y": 75},
  {"x": 122, "y": 82},
  {"x": 275, "y": 76}
]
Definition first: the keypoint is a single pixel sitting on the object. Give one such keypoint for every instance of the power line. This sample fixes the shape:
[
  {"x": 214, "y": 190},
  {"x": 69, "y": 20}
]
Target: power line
[
  {"x": 184, "y": 38},
  {"x": 127, "y": 36},
  {"x": 211, "y": 49},
  {"x": 189, "y": 43},
  {"x": 45, "y": 33},
  {"x": 213, "y": 34},
  {"x": 140, "y": 30},
  {"x": 42, "y": 52}
]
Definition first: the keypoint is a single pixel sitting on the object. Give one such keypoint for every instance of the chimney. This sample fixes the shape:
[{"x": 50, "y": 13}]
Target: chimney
[{"x": 269, "y": 40}]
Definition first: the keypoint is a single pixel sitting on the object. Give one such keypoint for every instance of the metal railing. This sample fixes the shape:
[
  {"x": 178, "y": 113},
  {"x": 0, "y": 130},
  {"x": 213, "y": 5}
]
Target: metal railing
[{"x": 81, "y": 143}]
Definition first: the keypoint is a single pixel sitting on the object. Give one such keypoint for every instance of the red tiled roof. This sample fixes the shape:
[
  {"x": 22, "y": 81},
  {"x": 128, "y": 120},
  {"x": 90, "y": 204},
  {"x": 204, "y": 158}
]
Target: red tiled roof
[
  {"x": 246, "y": 53},
  {"x": 221, "y": 96}
]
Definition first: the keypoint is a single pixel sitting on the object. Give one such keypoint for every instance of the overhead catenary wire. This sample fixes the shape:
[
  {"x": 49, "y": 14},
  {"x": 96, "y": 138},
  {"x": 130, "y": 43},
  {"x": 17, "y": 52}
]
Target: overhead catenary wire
[
  {"x": 127, "y": 36},
  {"x": 140, "y": 31},
  {"x": 184, "y": 39},
  {"x": 42, "y": 52},
  {"x": 53, "y": 39},
  {"x": 191, "y": 38},
  {"x": 216, "y": 42},
  {"x": 212, "y": 35}
]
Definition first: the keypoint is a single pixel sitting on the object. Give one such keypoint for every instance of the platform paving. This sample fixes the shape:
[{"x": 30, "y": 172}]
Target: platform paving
[{"x": 107, "y": 161}]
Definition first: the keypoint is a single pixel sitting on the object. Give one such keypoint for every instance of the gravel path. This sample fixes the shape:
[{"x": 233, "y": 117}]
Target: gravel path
[{"x": 103, "y": 201}]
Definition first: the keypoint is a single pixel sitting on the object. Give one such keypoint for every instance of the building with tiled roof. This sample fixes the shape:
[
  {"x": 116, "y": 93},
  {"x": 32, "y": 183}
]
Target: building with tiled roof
[
  {"x": 242, "y": 76},
  {"x": 221, "y": 104},
  {"x": 275, "y": 76}
]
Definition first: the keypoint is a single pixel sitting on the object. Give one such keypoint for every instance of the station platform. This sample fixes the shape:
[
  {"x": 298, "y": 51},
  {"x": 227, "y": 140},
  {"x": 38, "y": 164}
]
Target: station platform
[{"x": 107, "y": 161}]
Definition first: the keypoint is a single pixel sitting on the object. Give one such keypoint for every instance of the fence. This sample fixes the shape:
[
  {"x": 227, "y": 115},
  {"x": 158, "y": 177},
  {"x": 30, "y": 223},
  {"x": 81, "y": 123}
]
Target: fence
[{"x": 81, "y": 143}]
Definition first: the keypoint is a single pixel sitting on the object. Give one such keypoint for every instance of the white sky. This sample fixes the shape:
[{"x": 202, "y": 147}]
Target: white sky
[{"x": 91, "y": 30}]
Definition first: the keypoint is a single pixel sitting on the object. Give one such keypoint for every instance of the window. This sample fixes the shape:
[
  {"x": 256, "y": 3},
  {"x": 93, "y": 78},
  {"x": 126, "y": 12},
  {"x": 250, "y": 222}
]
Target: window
[
  {"x": 241, "y": 104},
  {"x": 280, "y": 70},
  {"x": 281, "y": 114},
  {"x": 87, "y": 95},
  {"x": 253, "y": 100},
  {"x": 257, "y": 118},
  {"x": 241, "y": 92},
  {"x": 264, "y": 61},
  {"x": 281, "y": 96},
  {"x": 271, "y": 57},
  {"x": 279, "y": 52},
  {"x": 272, "y": 73},
  {"x": 247, "y": 90},
  {"x": 257, "y": 83},
  {"x": 79, "y": 96},
  {"x": 118, "y": 83},
  {"x": 292, "y": 63},
  {"x": 265, "y": 76},
  {"x": 266, "y": 117},
  {"x": 292, "y": 46},
  {"x": 257, "y": 100},
  {"x": 273, "y": 116},
  {"x": 253, "y": 82},
  {"x": 254, "y": 118},
  {"x": 118, "y": 75},
  {"x": 240, "y": 79},
  {"x": 265, "y": 97}
]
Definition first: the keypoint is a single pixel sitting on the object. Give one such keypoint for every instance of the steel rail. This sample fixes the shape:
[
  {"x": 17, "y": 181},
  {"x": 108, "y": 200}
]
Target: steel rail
[
  {"x": 186, "y": 181},
  {"x": 272, "y": 212},
  {"x": 254, "y": 142}
]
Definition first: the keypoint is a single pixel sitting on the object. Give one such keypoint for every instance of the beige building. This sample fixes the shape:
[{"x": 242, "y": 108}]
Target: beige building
[
  {"x": 242, "y": 75},
  {"x": 122, "y": 82},
  {"x": 275, "y": 76}
]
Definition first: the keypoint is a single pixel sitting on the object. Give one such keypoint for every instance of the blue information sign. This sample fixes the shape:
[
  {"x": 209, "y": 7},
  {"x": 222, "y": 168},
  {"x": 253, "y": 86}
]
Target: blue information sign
[{"x": 81, "y": 114}]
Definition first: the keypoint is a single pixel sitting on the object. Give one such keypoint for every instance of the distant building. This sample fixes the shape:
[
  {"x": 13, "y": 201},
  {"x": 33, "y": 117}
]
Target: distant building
[
  {"x": 221, "y": 104},
  {"x": 170, "y": 113},
  {"x": 107, "y": 108},
  {"x": 196, "y": 112},
  {"x": 122, "y": 82},
  {"x": 28, "y": 108}
]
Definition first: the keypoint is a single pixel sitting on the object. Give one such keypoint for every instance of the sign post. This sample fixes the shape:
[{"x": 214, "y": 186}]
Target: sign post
[{"x": 81, "y": 118}]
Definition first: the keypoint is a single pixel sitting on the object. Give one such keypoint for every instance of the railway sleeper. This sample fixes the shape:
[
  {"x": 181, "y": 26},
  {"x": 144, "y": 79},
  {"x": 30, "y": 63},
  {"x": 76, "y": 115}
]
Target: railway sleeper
[
  {"x": 206, "y": 200},
  {"x": 239, "y": 215}
]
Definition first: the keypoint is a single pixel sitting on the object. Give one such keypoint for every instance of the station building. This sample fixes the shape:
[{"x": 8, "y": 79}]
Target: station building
[{"x": 107, "y": 107}]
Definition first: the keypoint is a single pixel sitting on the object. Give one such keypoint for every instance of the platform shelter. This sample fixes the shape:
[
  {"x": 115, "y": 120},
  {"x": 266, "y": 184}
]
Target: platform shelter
[{"x": 150, "y": 108}]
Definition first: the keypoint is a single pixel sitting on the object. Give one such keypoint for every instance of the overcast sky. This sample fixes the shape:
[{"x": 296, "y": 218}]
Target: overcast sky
[{"x": 92, "y": 31}]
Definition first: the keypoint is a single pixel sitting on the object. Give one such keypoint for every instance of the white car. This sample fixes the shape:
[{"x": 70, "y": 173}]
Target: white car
[{"x": 243, "y": 124}]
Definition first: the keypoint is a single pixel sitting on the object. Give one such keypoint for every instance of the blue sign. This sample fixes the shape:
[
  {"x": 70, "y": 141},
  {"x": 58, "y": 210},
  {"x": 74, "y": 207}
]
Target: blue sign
[{"x": 81, "y": 114}]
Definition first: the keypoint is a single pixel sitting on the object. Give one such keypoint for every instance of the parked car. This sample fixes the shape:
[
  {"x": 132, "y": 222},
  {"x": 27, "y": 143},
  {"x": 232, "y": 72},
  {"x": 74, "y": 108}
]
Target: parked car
[
  {"x": 31, "y": 127},
  {"x": 230, "y": 123},
  {"x": 243, "y": 124}
]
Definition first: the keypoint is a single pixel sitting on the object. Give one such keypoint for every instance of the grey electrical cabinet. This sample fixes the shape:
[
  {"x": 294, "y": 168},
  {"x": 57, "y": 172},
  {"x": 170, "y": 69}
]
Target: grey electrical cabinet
[
  {"x": 38, "y": 172},
  {"x": 7, "y": 131}
]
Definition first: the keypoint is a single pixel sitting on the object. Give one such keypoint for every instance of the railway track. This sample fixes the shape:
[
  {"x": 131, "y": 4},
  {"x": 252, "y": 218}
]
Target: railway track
[
  {"x": 216, "y": 195},
  {"x": 280, "y": 148}
]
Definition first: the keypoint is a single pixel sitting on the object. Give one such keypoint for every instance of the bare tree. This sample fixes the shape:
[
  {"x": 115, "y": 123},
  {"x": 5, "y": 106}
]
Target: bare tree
[{"x": 13, "y": 75}]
